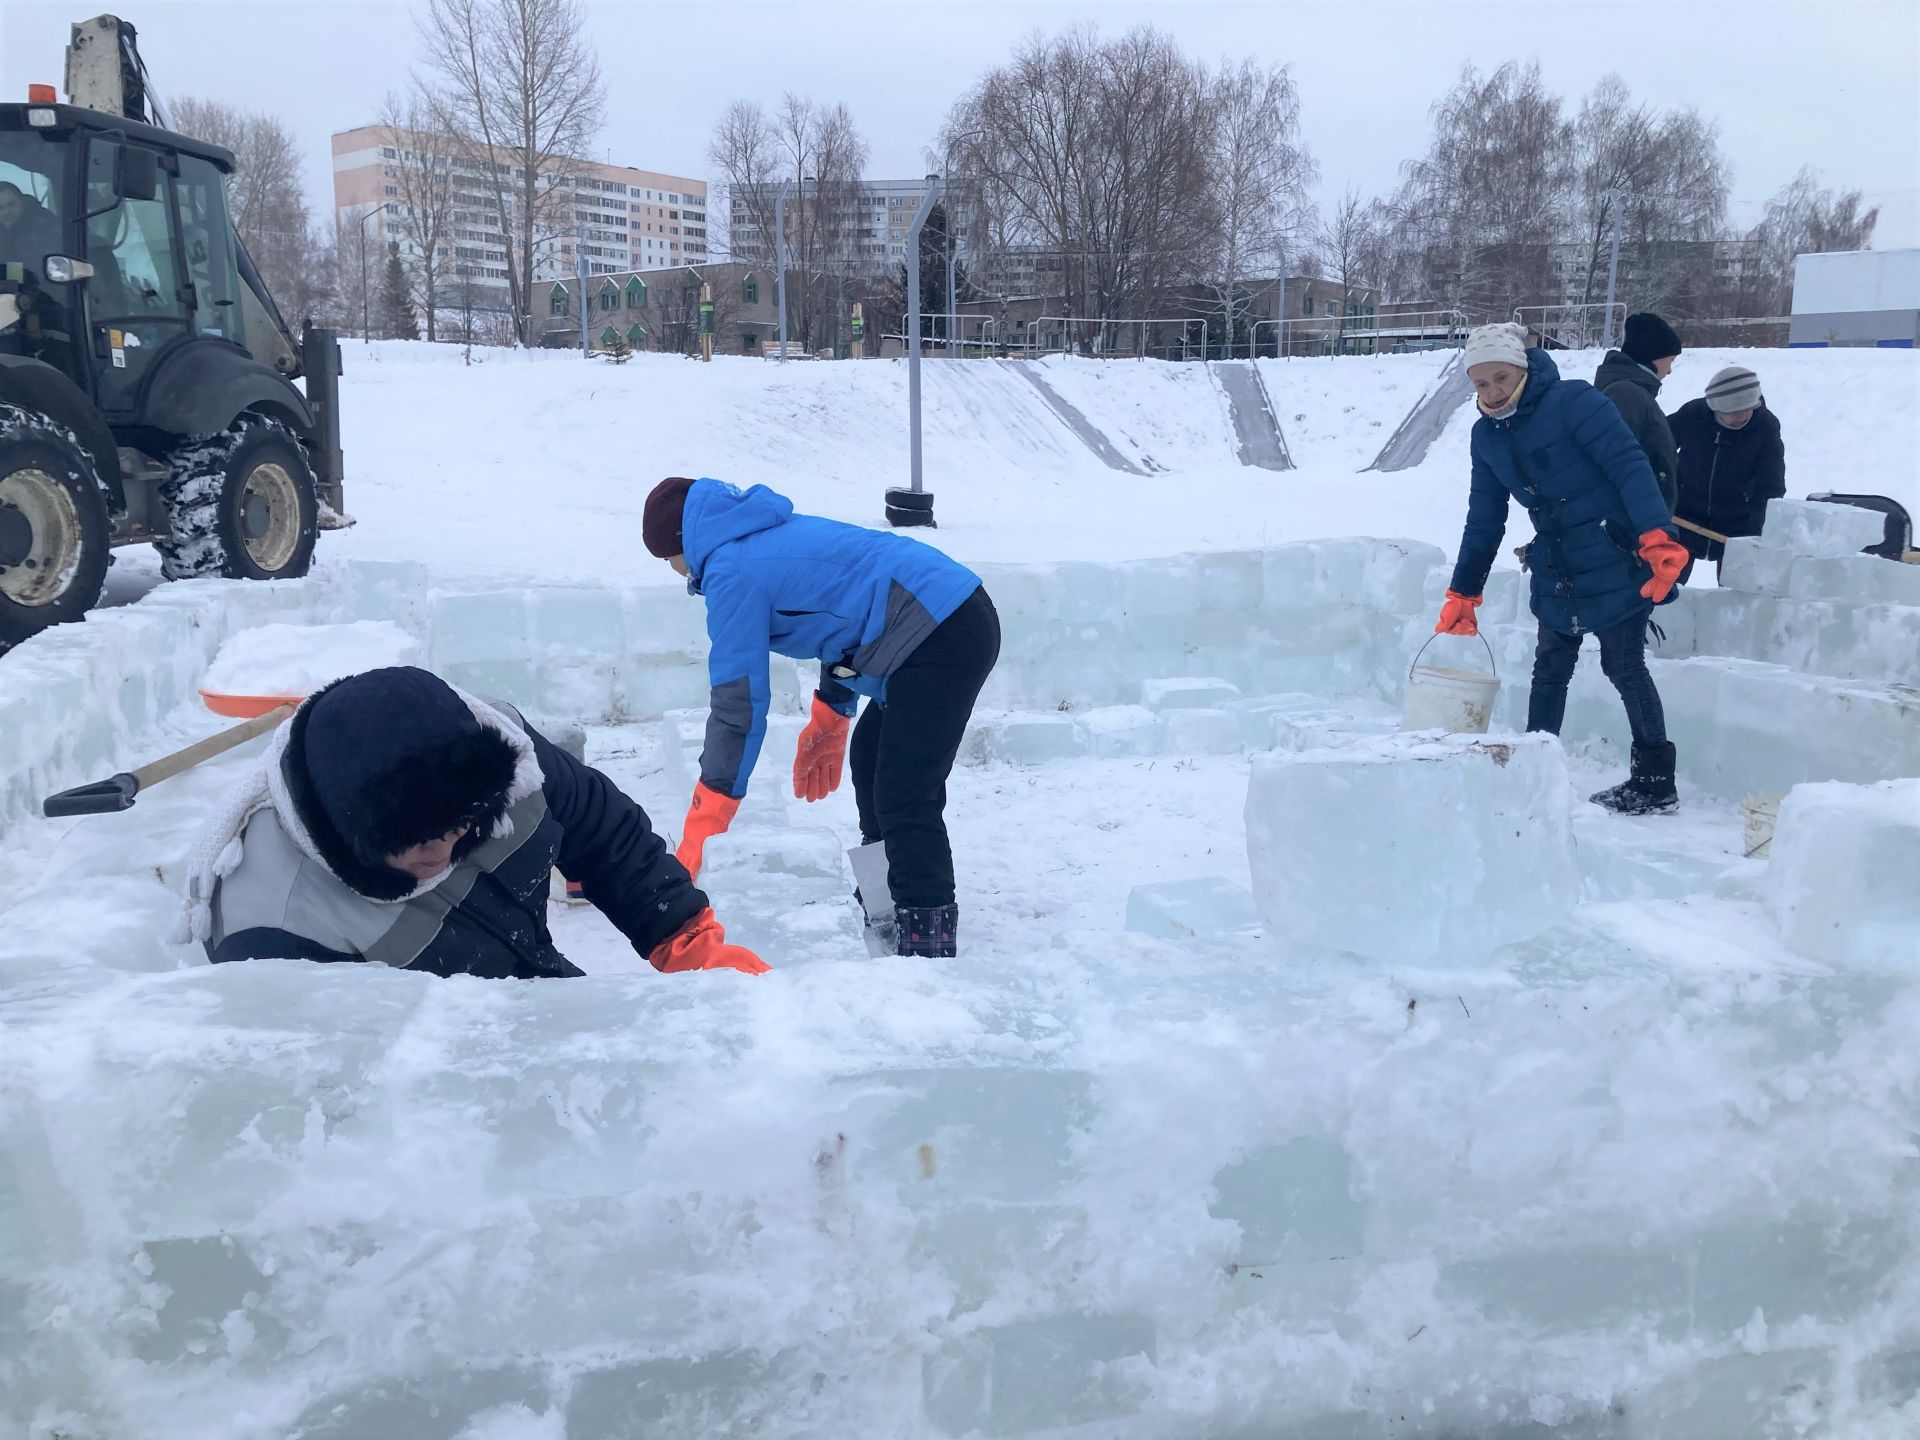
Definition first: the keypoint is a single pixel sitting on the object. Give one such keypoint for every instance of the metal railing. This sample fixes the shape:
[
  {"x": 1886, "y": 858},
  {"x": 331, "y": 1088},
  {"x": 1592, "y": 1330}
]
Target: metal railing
[
  {"x": 1372, "y": 334},
  {"x": 1063, "y": 340},
  {"x": 1578, "y": 326}
]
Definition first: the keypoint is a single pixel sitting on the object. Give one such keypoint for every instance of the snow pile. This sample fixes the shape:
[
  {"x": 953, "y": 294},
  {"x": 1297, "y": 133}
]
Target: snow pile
[{"x": 300, "y": 659}]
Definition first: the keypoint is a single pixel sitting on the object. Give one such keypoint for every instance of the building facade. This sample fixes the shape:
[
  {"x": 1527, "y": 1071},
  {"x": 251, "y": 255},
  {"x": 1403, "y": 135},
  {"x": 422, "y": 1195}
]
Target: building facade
[
  {"x": 659, "y": 309},
  {"x": 623, "y": 219}
]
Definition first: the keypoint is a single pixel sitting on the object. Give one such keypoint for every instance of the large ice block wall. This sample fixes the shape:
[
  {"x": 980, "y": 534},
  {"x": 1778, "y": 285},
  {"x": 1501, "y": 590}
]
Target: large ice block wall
[{"x": 1820, "y": 681}]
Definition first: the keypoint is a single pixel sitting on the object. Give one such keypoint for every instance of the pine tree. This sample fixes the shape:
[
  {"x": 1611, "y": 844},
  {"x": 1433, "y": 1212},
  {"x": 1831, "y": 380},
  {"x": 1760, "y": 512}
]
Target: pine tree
[
  {"x": 619, "y": 349},
  {"x": 397, "y": 321}
]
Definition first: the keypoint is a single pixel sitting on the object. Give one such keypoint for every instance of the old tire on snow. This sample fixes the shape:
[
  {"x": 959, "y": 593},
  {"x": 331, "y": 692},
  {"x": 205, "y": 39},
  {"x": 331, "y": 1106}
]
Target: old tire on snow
[
  {"x": 240, "y": 504},
  {"x": 55, "y": 537}
]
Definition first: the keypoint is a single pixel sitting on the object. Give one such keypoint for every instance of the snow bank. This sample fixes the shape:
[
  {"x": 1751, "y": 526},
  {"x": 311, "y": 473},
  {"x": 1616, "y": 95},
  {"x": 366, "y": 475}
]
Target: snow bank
[{"x": 552, "y": 482}]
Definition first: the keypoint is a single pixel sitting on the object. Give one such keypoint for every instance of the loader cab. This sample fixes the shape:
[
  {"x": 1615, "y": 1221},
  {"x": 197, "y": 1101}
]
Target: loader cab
[{"x": 134, "y": 222}]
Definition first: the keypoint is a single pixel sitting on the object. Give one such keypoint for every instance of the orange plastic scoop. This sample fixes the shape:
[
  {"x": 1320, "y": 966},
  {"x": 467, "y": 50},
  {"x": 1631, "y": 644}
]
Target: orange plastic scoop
[{"x": 245, "y": 707}]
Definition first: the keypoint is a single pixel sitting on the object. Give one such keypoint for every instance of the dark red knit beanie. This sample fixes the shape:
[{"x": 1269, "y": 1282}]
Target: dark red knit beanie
[{"x": 660, "y": 522}]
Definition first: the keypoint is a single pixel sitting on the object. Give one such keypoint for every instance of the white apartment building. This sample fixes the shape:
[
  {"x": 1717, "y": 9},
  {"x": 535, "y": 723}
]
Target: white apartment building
[{"x": 624, "y": 218}]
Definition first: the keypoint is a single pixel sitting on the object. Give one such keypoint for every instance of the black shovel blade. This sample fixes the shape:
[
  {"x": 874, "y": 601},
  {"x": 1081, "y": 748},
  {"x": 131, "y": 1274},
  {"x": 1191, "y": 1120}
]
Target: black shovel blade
[{"x": 103, "y": 797}]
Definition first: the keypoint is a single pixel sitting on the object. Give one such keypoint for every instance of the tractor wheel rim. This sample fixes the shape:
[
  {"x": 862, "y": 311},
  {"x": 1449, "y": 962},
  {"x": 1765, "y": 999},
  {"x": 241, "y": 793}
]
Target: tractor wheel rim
[
  {"x": 270, "y": 489},
  {"x": 42, "y": 575}
]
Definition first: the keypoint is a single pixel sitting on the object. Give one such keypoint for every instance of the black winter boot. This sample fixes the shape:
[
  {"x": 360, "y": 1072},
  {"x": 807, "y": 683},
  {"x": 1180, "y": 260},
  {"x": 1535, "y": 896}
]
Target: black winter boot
[
  {"x": 928, "y": 930},
  {"x": 1649, "y": 789}
]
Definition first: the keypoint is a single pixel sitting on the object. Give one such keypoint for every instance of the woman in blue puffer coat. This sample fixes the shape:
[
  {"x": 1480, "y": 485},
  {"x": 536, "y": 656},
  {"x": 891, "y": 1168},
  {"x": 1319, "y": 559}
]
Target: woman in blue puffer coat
[
  {"x": 887, "y": 618},
  {"x": 1603, "y": 552}
]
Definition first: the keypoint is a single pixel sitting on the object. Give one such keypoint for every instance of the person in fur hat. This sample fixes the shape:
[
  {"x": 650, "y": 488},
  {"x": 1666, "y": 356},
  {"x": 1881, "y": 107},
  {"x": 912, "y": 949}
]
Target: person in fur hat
[{"x": 398, "y": 820}]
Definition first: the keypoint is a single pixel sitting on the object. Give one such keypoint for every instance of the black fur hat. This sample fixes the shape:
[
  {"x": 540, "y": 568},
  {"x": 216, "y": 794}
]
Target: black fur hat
[{"x": 382, "y": 761}]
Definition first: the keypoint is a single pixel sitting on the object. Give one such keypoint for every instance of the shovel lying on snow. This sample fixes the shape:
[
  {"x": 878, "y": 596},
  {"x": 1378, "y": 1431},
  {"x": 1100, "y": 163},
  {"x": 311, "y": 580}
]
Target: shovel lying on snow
[{"x": 105, "y": 797}]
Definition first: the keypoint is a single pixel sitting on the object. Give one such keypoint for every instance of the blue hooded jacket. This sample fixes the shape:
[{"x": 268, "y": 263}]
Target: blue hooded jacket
[
  {"x": 858, "y": 601},
  {"x": 1570, "y": 459}
]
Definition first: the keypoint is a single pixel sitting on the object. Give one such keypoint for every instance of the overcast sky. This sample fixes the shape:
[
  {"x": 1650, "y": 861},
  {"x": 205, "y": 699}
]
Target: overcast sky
[{"x": 1833, "y": 83}]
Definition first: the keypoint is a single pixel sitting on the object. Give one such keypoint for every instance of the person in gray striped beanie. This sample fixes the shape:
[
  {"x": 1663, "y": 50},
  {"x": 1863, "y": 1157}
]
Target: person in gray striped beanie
[
  {"x": 1731, "y": 462},
  {"x": 1733, "y": 394}
]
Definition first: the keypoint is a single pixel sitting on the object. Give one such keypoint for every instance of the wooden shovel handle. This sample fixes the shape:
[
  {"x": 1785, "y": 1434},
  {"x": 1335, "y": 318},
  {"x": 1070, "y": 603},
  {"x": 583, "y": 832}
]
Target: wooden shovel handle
[
  {"x": 168, "y": 766},
  {"x": 1700, "y": 530},
  {"x": 105, "y": 797}
]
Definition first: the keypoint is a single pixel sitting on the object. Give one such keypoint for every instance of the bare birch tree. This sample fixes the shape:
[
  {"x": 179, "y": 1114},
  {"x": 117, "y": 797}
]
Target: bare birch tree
[
  {"x": 521, "y": 91},
  {"x": 423, "y": 217},
  {"x": 266, "y": 198},
  {"x": 1260, "y": 174},
  {"x": 1661, "y": 178},
  {"x": 1487, "y": 201},
  {"x": 817, "y": 154},
  {"x": 1801, "y": 219},
  {"x": 1351, "y": 247}
]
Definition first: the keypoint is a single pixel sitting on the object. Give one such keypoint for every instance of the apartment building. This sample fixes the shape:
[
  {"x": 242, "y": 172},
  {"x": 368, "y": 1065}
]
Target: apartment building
[
  {"x": 624, "y": 218},
  {"x": 872, "y": 220}
]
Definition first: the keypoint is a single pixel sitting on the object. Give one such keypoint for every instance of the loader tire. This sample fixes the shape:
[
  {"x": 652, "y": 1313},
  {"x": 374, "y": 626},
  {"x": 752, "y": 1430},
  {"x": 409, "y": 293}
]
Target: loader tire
[
  {"x": 242, "y": 504},
  {"x": 55, "y": 537}
]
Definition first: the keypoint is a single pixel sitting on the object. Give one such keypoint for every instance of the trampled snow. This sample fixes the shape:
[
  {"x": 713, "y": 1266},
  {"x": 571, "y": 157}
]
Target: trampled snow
[{"x": 1616, "y": 1145}]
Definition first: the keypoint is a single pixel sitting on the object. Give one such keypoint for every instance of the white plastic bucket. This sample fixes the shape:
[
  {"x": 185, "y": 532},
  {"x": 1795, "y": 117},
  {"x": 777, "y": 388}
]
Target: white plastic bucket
[
  {"x": 1459, "y": 702},
  {"x": 1760, "y": 814}
]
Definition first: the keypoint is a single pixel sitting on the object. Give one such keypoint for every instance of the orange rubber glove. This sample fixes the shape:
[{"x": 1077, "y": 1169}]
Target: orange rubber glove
[
  {"x": 709, "y": 815},
  {"x": 822, "y": 753},
  {"x": 1456, "y": 616},
  {"x": 1668, "y": 557},
  {"x": 702, "y": 945}
]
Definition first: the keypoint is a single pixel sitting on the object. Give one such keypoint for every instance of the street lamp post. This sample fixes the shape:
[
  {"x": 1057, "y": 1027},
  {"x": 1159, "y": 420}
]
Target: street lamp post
[
  {"x": 914, "y": 506},
  {"x": 366, "y": 332}
]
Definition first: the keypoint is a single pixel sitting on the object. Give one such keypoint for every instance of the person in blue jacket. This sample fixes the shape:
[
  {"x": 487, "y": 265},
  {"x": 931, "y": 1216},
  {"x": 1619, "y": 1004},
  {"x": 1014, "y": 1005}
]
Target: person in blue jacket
[
  {"x": 887, "y": 618},
  {"x": 1603, "y": 552}
]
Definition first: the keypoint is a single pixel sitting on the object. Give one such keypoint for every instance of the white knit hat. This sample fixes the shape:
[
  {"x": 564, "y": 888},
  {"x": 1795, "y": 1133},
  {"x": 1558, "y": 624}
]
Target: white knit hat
[{"x": 1506, "y": 342}]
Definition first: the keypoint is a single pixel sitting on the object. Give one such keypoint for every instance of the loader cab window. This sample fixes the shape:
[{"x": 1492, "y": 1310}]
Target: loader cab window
[
  {"x": 31, "y": 228},
  {"x": 206, "y": 243},
  {"x": 136, "y": 301},
  {"x": 30, "y": 216}
]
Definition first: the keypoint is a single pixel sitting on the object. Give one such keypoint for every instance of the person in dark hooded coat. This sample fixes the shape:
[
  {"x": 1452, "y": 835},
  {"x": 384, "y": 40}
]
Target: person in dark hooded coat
[
  {"x": 1630, "y": 377},
  {"x": 395, "y": 819},
  {"x": 1603, "y": 552}
]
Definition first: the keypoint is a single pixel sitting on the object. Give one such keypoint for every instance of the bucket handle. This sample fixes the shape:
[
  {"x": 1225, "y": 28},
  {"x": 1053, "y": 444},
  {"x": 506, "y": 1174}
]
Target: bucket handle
[{"x": 1491, "y": 667}]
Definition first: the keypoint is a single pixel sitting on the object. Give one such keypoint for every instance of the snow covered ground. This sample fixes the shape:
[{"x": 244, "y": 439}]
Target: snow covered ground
[
  {"x": 538, "y": 464},
  {"x": 1139, "y": 1164}
]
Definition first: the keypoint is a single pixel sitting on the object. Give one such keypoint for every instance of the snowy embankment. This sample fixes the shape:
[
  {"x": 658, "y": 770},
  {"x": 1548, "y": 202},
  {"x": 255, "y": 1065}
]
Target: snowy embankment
[
  {"x": 1566, "y": 1125},
  {"x": 538, "y": 464}
]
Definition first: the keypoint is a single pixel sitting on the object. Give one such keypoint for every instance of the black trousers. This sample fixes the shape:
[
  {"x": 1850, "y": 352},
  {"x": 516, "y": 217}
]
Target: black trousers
[
  {"x": 903, "y": 751},
  {"x": 1623, "y": 659}
]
